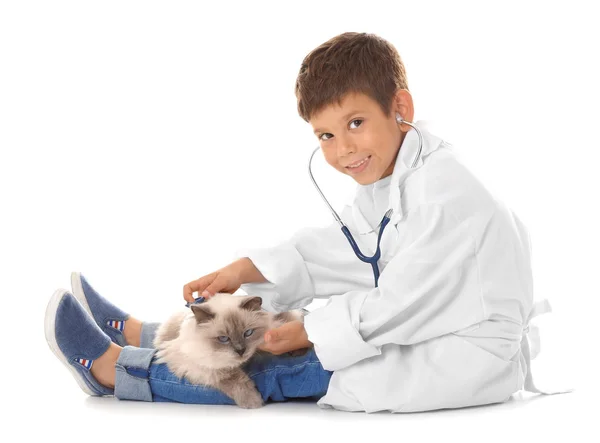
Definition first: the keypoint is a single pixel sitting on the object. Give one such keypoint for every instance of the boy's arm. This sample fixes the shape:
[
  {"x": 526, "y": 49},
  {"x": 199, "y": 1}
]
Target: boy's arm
[
  {"x": 248, "y": 272},
  {"x": 286, "y": 284},
  {"x": 430, "y": 288},
  {"x": 316, "y": 262}
]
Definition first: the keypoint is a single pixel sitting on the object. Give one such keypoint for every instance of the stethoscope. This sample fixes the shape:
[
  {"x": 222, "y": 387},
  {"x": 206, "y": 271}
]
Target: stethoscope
[{"x": 386, "y": 218}]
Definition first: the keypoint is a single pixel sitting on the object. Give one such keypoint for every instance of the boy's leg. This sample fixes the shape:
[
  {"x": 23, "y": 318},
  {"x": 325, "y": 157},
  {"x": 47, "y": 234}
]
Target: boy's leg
[
  {"x": 147, "y": 332},
  {"x": 277, "y": 378},
  {"x": 283, "y": 377},
  {"x": 87, "y": 351}
]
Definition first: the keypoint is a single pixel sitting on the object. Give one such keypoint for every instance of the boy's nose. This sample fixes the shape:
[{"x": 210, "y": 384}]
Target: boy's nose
[{"x": 345, "y": 146}]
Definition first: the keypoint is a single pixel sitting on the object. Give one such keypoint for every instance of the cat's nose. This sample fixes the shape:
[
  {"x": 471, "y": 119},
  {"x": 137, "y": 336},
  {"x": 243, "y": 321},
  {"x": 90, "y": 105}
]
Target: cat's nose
[{"x": 240, "y": 351}]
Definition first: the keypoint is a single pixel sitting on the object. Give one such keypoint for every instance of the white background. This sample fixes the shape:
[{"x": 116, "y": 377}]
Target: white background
[{"x": 142, "y": 143}]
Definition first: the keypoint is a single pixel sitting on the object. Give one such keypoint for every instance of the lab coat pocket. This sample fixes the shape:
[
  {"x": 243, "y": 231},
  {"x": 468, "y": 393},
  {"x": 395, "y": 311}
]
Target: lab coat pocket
[{"x": 492, "y": 379}]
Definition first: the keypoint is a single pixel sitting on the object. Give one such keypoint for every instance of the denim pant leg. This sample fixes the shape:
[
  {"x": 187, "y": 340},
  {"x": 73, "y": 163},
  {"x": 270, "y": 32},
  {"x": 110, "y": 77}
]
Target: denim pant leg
[
  {"x": 148, "y": 333},
  {"x": 131, "y": 381},
  {"x": 277, "y": 378}
]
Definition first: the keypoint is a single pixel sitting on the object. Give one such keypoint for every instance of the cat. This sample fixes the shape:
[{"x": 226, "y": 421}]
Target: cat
[{"x": 208, "y": 343}]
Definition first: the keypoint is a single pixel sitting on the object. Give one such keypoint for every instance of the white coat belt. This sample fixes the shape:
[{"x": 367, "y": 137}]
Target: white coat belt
[{"x": 530, "y": 347}]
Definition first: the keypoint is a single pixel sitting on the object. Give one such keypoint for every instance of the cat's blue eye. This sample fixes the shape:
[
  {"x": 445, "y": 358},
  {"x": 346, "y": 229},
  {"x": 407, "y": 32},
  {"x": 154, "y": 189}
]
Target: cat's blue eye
[
  {"x": 223, "y": 338},
  {"x": 248, "y": 333}
]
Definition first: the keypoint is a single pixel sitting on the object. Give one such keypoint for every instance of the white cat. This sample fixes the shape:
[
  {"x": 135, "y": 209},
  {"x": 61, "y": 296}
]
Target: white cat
[{"x": 208, "y": 343}]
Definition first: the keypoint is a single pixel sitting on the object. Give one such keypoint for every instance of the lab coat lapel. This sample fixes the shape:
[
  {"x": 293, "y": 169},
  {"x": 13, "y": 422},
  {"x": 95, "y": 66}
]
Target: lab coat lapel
[{"x": 402, "y": 170}]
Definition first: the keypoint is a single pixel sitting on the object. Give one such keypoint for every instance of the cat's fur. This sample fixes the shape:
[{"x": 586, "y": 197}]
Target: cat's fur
[{"x": 188, "y": 342}]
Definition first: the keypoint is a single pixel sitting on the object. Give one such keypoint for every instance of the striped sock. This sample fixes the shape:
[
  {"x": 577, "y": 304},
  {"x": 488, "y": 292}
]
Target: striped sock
[
  {"x": 85, "y": 362},
  {"x": 119, "y": 325}
]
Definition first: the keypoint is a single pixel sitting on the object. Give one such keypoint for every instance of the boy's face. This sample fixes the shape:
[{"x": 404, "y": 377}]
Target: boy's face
[{"x": 359, "y": 130}]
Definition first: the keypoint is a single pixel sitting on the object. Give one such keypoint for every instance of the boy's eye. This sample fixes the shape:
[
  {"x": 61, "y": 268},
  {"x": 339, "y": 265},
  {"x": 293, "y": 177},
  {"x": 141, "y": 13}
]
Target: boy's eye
[
  {"x": 327, "y": 133},
  {"x": 357, "y": 120},
  {"x": 248, "y": 333},
  {"x": 223, "y": 339}
]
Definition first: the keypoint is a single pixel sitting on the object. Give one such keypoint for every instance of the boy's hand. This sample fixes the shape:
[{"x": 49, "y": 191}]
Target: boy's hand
[
  {"x": 227, "y": 279},
  {"x": 288, "y": 337}
]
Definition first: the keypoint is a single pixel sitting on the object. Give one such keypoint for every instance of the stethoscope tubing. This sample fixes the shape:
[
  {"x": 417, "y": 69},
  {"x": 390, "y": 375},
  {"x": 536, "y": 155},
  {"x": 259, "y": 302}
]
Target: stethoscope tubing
[{"x": 386, "y": 218}]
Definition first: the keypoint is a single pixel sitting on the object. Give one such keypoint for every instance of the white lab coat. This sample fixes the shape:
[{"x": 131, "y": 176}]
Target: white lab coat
[{"x": 448, "y": 325}]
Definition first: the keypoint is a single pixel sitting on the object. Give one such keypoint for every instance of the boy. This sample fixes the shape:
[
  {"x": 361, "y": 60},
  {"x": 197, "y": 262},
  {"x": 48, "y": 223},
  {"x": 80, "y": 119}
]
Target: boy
[{"x": 447, "y": 326}]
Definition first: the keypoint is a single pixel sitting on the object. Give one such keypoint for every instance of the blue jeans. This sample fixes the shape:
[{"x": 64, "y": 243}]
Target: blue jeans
[{"x": 277, "y": 377}]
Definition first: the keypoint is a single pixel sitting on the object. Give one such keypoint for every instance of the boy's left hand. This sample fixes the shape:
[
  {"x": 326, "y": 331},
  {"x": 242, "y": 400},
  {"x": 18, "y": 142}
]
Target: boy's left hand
[{"x": 288, "y": 337}]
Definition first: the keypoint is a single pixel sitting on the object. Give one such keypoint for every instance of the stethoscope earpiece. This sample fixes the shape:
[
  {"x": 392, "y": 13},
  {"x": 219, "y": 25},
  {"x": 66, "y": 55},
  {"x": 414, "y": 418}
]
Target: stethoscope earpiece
[{"x": 399, "y": 118}]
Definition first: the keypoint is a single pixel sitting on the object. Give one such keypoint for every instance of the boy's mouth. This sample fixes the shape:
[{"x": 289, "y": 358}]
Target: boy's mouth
[{"x": 360, "y": 167}]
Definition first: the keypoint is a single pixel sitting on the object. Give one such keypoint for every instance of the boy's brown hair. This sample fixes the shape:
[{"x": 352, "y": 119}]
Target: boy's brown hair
[{"x": 349, "y": 62}]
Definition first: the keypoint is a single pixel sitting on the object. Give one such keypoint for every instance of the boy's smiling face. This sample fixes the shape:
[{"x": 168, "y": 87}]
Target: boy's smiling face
[{"x": 359, "y": 130}]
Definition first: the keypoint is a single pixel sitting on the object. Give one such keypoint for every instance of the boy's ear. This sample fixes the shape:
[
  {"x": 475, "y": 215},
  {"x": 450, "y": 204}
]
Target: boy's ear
[
  {"x": 403, "y": 105},
  {"x": 252, "y": 303},
  {"x": 202, "y": 313}
]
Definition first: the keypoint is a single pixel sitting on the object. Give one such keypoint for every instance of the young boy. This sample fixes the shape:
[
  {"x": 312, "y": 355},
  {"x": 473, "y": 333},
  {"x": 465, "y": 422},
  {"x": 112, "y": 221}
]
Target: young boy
[{"x": 447, "y": 325}]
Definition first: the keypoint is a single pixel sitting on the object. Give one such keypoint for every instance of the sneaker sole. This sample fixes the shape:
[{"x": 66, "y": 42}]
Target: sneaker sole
[
  {"x": 49, "y": 330},
  {"x": 77, "y": 288}
]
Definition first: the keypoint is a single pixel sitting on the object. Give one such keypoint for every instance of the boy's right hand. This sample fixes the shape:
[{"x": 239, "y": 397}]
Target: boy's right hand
[{"x": 227, "y": 279}]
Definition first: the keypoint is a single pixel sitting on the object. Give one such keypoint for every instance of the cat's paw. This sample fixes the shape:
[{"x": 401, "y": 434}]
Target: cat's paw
[{"x": 251, "y": 401}]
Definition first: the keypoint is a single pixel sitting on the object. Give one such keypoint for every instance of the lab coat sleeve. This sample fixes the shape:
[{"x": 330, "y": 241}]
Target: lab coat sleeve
[
  {"x": 429, "y": 288},
  {"x": 316, "y": 262},
  {"x": 288, "y": 283}
]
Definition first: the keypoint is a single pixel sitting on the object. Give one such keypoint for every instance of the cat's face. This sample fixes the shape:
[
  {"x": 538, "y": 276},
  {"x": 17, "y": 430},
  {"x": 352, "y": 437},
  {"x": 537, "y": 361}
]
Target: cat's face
[{"x": 232, "y": 326}]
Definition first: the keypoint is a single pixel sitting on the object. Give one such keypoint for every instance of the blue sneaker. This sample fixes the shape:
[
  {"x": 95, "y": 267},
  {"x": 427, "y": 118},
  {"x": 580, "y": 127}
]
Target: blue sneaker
[
  {"x": 110, "y": 318},
  {"x": 75, "y": 340}
]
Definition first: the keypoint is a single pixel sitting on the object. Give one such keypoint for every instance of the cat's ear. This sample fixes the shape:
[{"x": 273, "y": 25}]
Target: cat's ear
[
  {"x": 202, "y": 313},
  {"x": 252, "y": 304}
]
